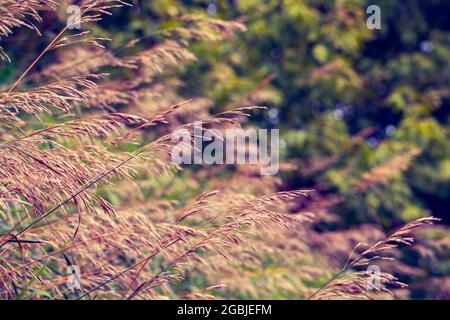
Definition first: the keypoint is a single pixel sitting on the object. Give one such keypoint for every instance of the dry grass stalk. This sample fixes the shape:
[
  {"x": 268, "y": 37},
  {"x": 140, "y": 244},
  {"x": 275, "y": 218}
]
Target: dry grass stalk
[{"x": 348, "y": 283}]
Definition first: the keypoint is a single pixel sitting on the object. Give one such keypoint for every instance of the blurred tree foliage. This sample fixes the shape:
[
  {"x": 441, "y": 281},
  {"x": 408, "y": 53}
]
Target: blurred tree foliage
[
  {"x": 347, "y": 99},
  {"x": 331, "y": 81}
]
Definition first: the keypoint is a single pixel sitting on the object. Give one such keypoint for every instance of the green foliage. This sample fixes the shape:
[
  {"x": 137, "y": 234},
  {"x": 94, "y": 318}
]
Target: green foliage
[{"x": 332, "y": 78}]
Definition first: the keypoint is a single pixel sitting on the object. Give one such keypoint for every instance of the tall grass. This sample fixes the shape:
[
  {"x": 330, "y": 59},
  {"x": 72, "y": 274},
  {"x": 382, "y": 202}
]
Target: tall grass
[{"x": 75, "y": 140}]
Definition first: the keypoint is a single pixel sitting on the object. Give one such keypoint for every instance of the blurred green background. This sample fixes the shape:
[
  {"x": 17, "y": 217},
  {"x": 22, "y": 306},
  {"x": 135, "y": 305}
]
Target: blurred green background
[
  {"x": 346, "y": 98},
  {"x": 327, "y": 80}
]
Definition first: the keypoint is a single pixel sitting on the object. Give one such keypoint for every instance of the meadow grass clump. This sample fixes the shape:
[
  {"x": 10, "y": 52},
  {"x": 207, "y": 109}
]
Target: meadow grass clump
[{"x": 86, "y": 179}]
